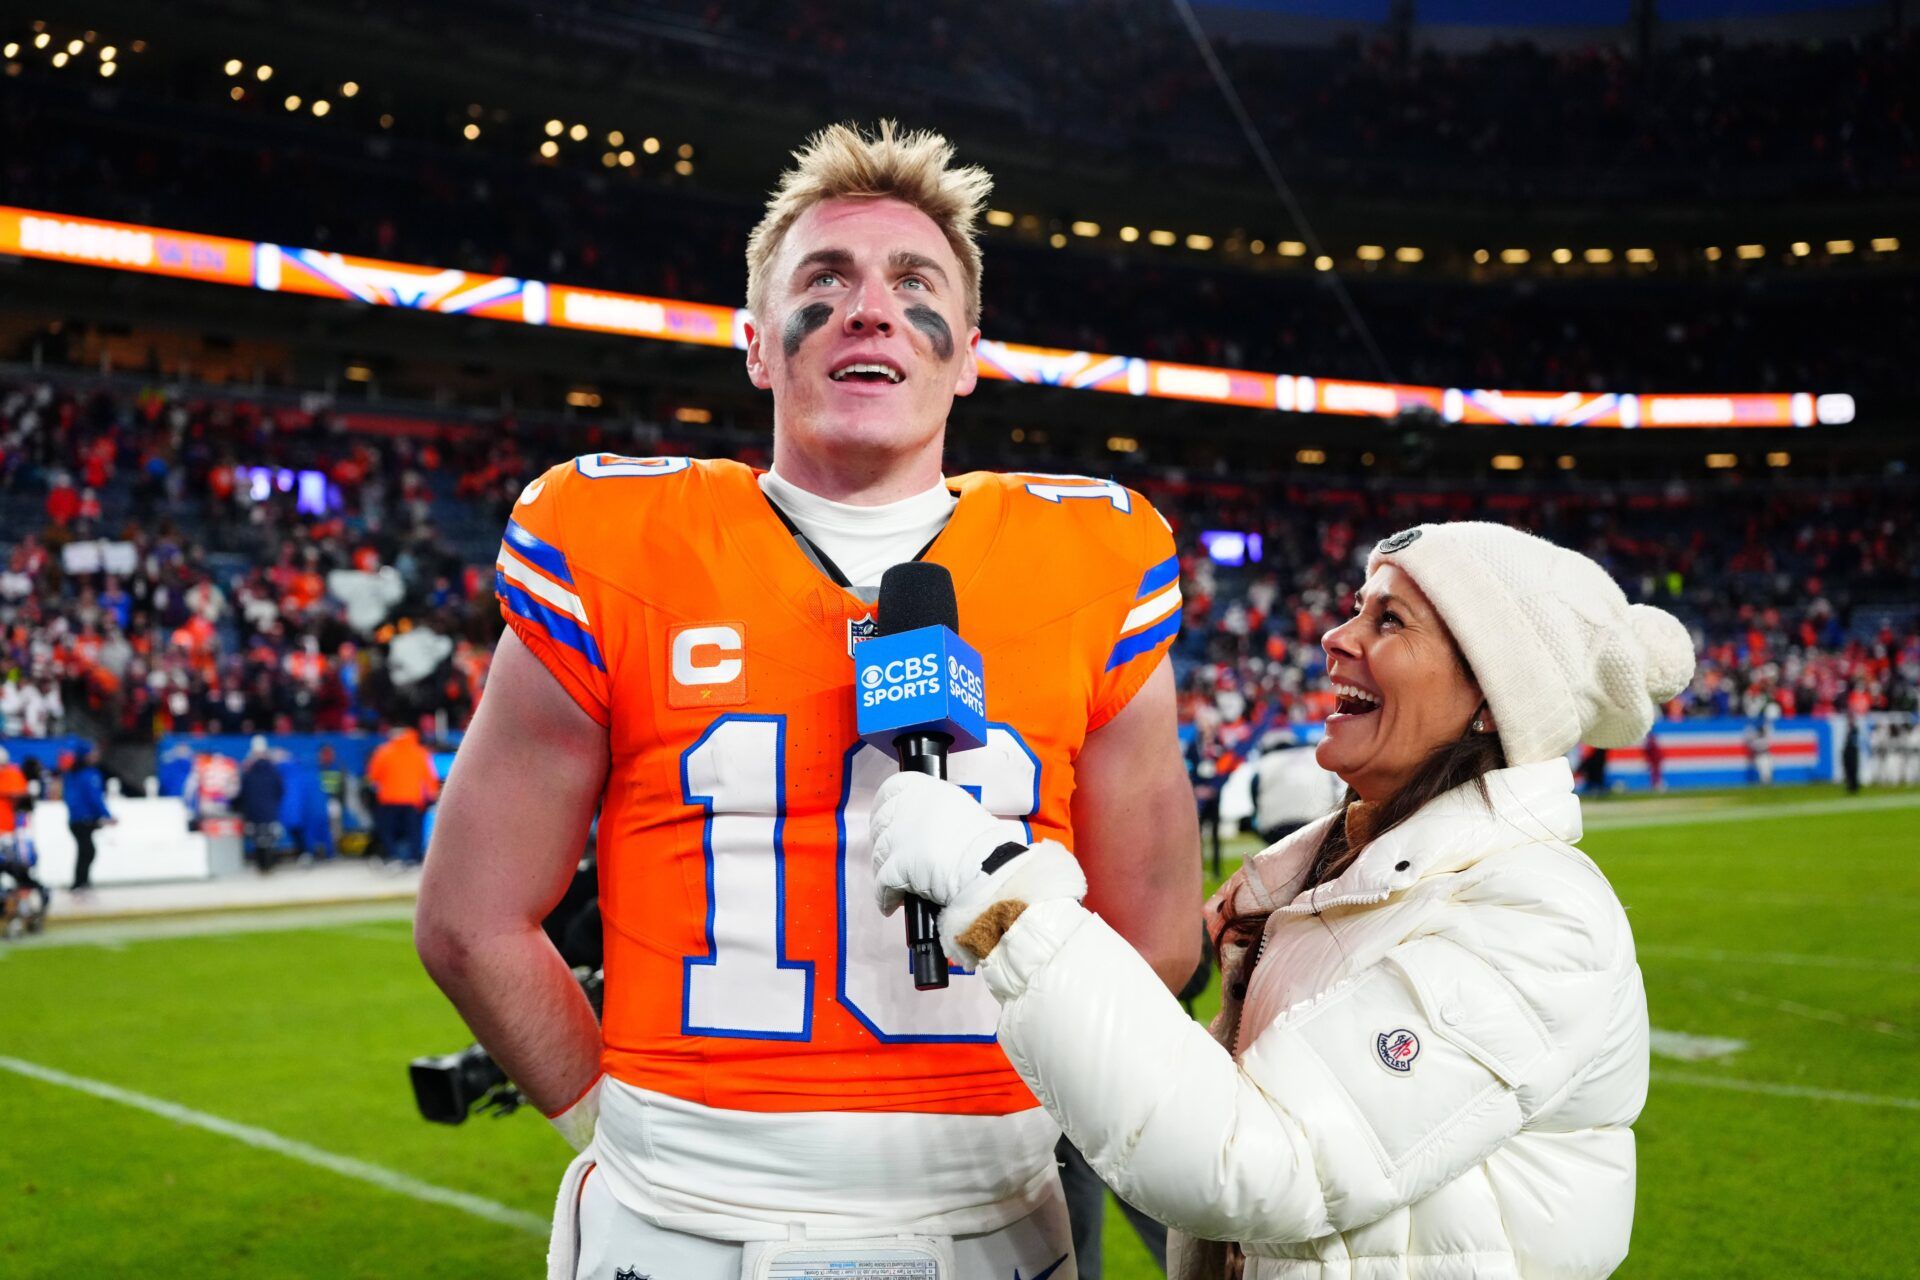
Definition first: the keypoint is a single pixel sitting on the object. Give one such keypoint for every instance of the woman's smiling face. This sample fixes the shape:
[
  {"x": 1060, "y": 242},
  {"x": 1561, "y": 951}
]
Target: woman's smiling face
[{"x": 1403, "y": 689}]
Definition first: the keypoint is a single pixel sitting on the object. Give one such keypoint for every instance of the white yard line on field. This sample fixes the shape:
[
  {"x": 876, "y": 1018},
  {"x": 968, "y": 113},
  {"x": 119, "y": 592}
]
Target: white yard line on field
[
  {"x": 115, "y": 934},
  {"x": 1597, "y": 817},
  {"x": 1774, "y": 1090},
  {"x": 345, "y": 1166},
  {"x": 1788, "y": 959},
  {"x": 1692, "y": 1048},
  {"x": 1799, "y": 1010}
]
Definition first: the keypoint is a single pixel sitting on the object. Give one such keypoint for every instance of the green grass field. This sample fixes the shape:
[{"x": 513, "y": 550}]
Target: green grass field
[{"x": 1788, "y": 921}]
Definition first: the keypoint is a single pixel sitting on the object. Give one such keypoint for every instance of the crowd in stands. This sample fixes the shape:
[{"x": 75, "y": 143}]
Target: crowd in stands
[
  {"x": 340, "y": 185},
  {"x": 1701, "y": 116},
  {"x": 196, "y": 600}
]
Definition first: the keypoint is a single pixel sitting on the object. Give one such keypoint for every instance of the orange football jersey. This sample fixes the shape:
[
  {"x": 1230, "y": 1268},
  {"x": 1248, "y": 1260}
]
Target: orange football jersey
[{"x": 746, "y": 964}]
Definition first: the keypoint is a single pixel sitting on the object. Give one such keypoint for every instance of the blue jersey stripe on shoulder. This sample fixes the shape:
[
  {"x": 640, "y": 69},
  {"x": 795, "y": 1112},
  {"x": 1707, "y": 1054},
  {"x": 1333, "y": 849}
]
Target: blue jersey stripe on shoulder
[
  {"x": 1135, "y": 645},
  {"x": 545, "y": 555},
  {"x": 559, "y": 626},
  {"x": 1160, "y": 575}
]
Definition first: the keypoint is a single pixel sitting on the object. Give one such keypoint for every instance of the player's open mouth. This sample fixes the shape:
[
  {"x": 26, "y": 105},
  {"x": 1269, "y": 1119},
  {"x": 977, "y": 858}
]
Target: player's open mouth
[
  {"x": 1353, "y": 700},
  {"x": 868, "y": 371}
]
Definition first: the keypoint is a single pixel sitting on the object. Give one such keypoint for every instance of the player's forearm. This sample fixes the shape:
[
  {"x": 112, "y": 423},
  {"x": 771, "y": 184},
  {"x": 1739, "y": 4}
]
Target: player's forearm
[{"x": 523, "y": 1004}]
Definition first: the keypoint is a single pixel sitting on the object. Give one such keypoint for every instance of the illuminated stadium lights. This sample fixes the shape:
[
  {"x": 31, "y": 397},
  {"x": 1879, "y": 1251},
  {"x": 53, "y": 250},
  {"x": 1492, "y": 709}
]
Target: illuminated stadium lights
[
  {"x": 60, "y": 59},
  {"x": 1563, "y": 256},
  {"x": 1162, "y": 238},
  {"x": 350, "y": 90},
  {"x": 1370, "y": 253},
  {"x": 42, "y": 40},
  {"x": 13, "y": 48},
  {"x": 1515, "y": 257},
  {"x": 1713, "y": 253},
  {"x": 1481, "y": 256},
  {"x": 583, "y": 398},
  {"x": 236, "y": 93},
  {"x": 626, "y": 159},
  {"x": 683, "y": 167},
  {"x": 1019, "y": 434},
  {"x": 1257, "y": 247},
  {"x": 609, "y": 159},
  {"x": 549, "y": 148},
  {"x": 1366, "y": 459},
  {"x": 578, "y": 133},
  {"x": 75, "y": 46},
  {"x": 1779, "y": 459},
  {"x": 1801, "y": 248},
  {"x": 650, "y": 146},
  {"x": 1566, "y": 462},
  {"x": 263, "y": 73},
  {"x": 1839, "y": 246},
  {"x": 108, "y": 53},
  {"x": 555, "y": 128},
  {"x": 1886, "y": 244},
  {"x": 1129, "y": 234},
  {"x": 686, "y": 151},
  {"x": 1199, "y": 242},
  {"x": 234, "y": 66},
  {"x": 1292, "y": 248},
  {"x": 1310, "y": 457},
  {"x": 1599, "y": 257},
  {"x": 1641, "y": 256},
  {"x": 995, "y": 217},
  {"x": 615, "y": 138},
  {"x": 321, "y": 107},
  {"x": 1508, "y": 462},
  {"x": 108, "y": 68},
  {"x": 359, "y": 373},
  {"x": 1122, "y": 444},
  {"x": 471, "y": 132},
  {"x": 1751, "y": 251},
  {"x": 1086, "y": 229},
  {"x": 1058, "y": 240},
  {"x": 1323, "y": 263},
  {"x": 386, "y": 120},
  {"x": 1722, "y": 461},
  {"x": 693, "y": 414},
  {"x": 293, "y": 102},
  {"x": 1408, "y": 253}
]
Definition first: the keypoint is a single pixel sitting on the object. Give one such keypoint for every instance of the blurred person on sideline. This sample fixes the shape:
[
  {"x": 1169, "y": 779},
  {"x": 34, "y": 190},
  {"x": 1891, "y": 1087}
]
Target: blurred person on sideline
[
  {"x": 16, "y": 802},
  {"x": 1433, "y": 1041},
  {"x": 400, "y": 773},
  {"x": 261, "y": 791},
  {"x": 85, "y": 791}
]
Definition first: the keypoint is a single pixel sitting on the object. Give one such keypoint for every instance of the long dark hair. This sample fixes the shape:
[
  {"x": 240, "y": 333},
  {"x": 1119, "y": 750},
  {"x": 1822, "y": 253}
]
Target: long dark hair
[{"x": 1468, "y": 758}]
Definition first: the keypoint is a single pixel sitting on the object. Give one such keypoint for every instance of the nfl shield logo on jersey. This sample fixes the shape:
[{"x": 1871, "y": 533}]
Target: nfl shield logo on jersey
[
  {"x": 859, "y": 629},
  {"x": 630, "y": 1273}
]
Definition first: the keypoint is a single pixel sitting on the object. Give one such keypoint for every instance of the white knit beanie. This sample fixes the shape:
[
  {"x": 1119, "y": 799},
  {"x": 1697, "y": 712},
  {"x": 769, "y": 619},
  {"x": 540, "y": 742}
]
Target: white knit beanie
[{"x": 1559, "y": 653}]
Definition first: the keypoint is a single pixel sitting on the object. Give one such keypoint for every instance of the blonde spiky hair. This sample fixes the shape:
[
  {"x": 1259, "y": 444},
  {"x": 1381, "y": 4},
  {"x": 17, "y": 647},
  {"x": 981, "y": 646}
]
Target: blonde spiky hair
[{"x": 915, "y": 168}]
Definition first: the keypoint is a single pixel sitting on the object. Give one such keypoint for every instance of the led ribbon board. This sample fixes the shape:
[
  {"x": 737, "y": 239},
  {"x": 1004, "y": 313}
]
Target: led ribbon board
[{"x": 184, "y": 255}]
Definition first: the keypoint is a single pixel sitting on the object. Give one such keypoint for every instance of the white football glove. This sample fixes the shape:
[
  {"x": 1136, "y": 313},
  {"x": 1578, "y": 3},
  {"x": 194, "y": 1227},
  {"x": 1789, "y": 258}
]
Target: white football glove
[{"x": 932, "y": 839}]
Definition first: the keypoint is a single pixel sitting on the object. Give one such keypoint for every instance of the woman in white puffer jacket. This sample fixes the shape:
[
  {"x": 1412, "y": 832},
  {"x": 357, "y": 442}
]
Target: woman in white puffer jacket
[{"x": 1434, "y": 1036}]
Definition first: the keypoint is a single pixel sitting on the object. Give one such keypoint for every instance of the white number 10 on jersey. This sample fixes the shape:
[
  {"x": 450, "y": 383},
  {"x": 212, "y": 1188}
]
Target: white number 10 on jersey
[{"x": 746, "y": 986}]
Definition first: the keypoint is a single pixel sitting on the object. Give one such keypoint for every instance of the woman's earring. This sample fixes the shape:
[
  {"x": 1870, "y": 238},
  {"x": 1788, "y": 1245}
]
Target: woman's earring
[{"x": 1479, "y": 725}]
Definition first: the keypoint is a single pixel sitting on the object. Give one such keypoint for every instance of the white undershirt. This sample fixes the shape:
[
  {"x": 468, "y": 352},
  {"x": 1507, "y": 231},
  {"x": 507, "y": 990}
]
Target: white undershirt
[{"x": 864, "y": 541}]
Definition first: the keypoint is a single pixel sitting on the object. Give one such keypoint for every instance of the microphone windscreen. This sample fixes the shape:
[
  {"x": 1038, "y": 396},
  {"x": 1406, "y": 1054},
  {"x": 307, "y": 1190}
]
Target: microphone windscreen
[{"x": 915, "y": 595}]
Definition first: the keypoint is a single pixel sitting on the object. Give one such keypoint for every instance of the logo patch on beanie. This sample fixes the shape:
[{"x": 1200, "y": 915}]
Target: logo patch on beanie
[
  {"x": 1397, "y": 1049},
  {"x": 1397, "y": 542}
]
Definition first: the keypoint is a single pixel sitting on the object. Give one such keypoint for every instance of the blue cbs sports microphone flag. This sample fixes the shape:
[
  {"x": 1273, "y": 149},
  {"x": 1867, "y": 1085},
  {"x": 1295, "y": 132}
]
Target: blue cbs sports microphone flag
[{"x": 923, "y": 681}]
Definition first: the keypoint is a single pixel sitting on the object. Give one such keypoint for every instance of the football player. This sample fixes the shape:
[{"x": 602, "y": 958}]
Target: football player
[{"x": 766, "y": 1092}]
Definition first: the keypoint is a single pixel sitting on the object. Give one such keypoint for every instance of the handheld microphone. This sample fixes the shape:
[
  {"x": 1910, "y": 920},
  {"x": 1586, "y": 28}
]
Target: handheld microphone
[{"x": 918, "y": 693}]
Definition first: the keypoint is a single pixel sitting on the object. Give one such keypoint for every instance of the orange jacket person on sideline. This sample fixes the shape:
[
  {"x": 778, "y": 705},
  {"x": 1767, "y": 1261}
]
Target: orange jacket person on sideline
[{"x": 400, "y": 771}]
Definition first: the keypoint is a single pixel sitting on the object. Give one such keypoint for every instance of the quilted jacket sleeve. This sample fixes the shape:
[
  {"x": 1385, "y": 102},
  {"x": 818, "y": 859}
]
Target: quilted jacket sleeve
[{"x": 1365, "y": 1099}]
